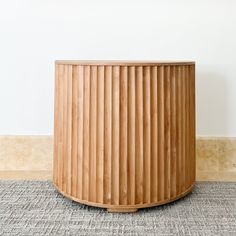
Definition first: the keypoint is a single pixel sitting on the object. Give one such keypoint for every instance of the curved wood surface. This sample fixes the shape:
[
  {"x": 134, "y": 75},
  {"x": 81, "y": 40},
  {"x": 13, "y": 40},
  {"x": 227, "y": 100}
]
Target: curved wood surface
[{"x": 124, "y": 135}]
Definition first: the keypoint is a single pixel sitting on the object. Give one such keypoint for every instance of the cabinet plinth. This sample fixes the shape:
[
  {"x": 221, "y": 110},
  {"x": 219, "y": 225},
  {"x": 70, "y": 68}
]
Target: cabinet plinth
[{"x": 124, "y": 132}]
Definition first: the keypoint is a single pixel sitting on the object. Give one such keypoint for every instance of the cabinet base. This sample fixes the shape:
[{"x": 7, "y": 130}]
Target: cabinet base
[
  {"x": 122, "y": 210},
  {"x": 127, "y": 208}
]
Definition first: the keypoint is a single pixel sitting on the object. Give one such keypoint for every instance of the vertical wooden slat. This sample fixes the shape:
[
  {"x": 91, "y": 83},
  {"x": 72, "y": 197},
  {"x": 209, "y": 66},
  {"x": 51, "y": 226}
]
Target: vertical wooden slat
[
  {"x": 191, "y": 171},
  {"x": 161, "y": 133},
  {"x": 167, "y": 132},
  {"x": 187, "y": 127},
  {"x": 123, "y": 134},
  {"x": 100, "y": 134},
  {"x": 80, "y": 128},
  {"x": 115, "y": 133},
  {"x": 178, "y": 129},
  {"x": 108, "y": 135},
  {"x": 60, "y": 127},
  {"x": 154, "y": 135},
  {"x": 74, "y": 151},
  {"x": 69, "y": 129},
  {"x": 173, "y": 130},
  {"x": 86, "y": 132},
  {"x": 131, "y": 135},
  {"x": 65, "y": 128},
  {"x": 93, "y": 135},
  {"x": 183, "y": 108},
  {"x": 56, "y": 125},
  {"x": 193, "y": 124},
  {"x": 190, "y": 126},
  {"x": 139, "y": 135},
  {"x": 147, "y": 134}
]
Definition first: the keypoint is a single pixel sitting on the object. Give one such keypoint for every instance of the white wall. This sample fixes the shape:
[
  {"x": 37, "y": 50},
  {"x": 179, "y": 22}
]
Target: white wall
[{"x": 34, "y": 33}]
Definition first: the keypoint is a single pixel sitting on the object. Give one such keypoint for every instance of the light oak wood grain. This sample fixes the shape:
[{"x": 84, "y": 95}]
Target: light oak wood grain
[{"x": 124, "y": 132}]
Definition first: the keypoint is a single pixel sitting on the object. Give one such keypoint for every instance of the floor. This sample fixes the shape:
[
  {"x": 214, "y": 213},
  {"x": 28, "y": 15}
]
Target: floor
[{"x": 30, "y": 207}]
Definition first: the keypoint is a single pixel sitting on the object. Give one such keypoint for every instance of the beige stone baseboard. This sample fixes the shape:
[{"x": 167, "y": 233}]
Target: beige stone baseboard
[
  {"x": 26, "y": 153},
  {"x": 29, "y": 175},
  {"x": 216, "y": 176},
  {"x": 30, "y": 157},
  {"x": 216, "y": 159}
]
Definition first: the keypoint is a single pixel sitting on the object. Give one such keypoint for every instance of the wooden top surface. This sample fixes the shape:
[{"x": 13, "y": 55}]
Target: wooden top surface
[{"x": 121, "y": 62}]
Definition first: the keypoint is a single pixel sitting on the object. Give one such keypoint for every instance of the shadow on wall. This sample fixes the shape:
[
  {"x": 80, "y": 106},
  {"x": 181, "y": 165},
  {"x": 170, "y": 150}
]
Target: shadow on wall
[{"x": 212, "y": 104}]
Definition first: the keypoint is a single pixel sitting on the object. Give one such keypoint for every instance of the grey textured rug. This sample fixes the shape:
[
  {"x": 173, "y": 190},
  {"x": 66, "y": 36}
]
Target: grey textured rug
[{"x": 36, "y": 208}]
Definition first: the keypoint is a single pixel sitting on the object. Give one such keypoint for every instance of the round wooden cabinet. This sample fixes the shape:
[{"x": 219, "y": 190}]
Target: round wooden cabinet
[{"x": 124, "y": 134}]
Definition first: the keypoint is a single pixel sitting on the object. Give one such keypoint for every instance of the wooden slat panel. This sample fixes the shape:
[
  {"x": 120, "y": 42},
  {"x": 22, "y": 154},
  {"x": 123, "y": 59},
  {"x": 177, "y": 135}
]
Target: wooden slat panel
[
  {"x": 60, "y": 128},
  {"x": 69, "y": 129},
  {"x": 178, "y": 127},
  {"x": 183, "y": 141},
  {"x": 65, "y": 128},
  {"x": 123, "y": 134},
  {"x": 193, "y": 119},
  {"x": 69, "y": 134},
  {"x": 80, "y": 128},
  {"x": 154, "y": 135},
  {"x": 115, "y": 133},
  {"x": 108, "y": 135},
  {"x": 86, "y": 132},
  {"x": 187, "y": 181},
  {"x": 167, "y": 132},
  {"x": 161, "y": 134},
  {"x": 93, "y": 136},
  {"x": 100, "y": 134},
  {"x": 190, "y": 126},
  {"x": 139, "y": 136},
  {"x": 131, "y": 136},
  {"x": 173, "y": 130},
  {"x": 56, "y": 126},
  {"x": 147, "y": 134},
  {"x": 74, "y": 151}
]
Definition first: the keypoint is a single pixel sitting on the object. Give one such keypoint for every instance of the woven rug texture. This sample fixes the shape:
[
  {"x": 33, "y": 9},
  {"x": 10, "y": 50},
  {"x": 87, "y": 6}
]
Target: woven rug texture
[{"x": 36, "y": 208}]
